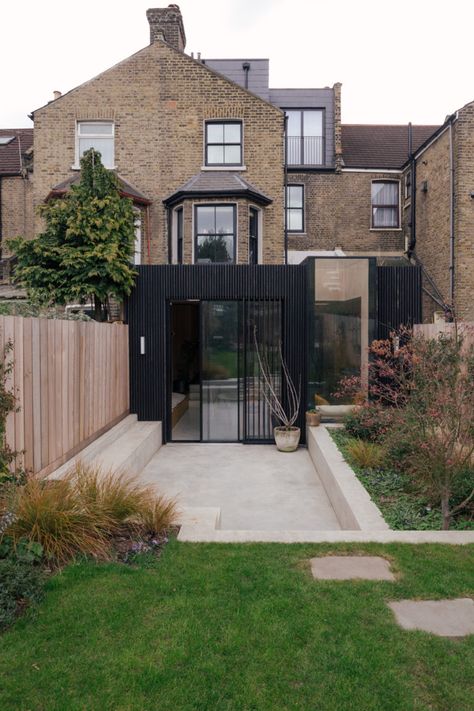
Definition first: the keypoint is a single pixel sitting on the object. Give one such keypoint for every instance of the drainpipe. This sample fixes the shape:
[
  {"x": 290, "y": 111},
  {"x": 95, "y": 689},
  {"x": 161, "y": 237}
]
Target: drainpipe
[
  {"x": 285, "y": 126},
  {"x": 412, "y": 245},
  {"x": 246, "y": 68},
  {"x": 1, "y": 234}
]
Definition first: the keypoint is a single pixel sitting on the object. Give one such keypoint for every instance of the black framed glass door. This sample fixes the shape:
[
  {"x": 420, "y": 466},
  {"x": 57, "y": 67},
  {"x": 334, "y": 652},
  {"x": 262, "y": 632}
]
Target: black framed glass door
[{"x": 216, "y": 388}]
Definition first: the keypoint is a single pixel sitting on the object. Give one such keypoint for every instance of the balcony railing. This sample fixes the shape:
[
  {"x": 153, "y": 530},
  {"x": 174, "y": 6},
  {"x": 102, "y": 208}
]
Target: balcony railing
[{"x": 305, "y": 150}]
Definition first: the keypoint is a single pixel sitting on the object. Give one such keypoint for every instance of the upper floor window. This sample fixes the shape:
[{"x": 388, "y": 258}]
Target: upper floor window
[
  {"x": 408, "y": 185},
  {"x": 224, "y": 143},
  {"x": 215, "y": 233},
  {"x": 98, "y": 135},
  {"x": 305, "y": 137},
  {"x": 385, "y": 204},
  {"x": 295, "y": 208}
]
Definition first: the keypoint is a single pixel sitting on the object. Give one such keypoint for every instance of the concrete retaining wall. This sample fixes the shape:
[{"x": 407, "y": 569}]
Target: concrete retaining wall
[{"x": 354, "y": 508}]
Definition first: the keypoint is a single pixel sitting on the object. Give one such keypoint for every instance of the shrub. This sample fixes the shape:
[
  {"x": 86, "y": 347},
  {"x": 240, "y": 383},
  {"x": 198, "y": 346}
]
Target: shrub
[
  {"x": 159, "y": 514},
  {"x": 121, "y": 500},
  {"x": 50, "y": 513},
  {"x": 370, "y": 421},
  {"x": 367, "y": 455},
  {"x": 20, "y": 584}
]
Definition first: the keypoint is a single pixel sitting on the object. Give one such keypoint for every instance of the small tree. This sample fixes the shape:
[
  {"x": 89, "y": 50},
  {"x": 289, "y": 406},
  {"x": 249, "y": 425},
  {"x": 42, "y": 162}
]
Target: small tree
[{"x": 85, "y": 251}]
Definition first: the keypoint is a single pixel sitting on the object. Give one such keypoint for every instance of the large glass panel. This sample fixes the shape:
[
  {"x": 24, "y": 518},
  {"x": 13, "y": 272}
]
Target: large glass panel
[
  {"x": 232, "y": 132},
  {"x": 294, "y": 123},
  {"x": 220, "y": 370},
  {"x": 263, "y": 328},
  {"x": 185, "y": 375},
  {"x": 225, "y": 219},
  {"x": 341, "y": 327},
  {"x": 215, "y": 133},
  {"x": 105, "y": 146},
  {"x": 215, "y": 248},
  {"x": 205, "y": 219},
  {"x": 232, "y": 155},
  {"x": 313, "y": 123}
]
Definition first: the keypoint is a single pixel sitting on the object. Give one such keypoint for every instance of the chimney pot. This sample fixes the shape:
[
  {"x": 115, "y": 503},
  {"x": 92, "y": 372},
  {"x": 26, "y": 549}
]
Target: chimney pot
[
  {"x": 166, "y": 23},
  {"x": 56, "y": 95}
]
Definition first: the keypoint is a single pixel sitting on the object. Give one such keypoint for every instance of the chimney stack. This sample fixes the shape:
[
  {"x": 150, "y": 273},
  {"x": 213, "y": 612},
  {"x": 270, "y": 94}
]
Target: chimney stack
[{"x": 166, "y": 23}]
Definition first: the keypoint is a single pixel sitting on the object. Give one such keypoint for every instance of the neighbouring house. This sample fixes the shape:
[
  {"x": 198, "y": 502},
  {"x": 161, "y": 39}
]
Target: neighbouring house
[
  {"x": 256, "y": 208},
  {"x": 16, "y": 190}
]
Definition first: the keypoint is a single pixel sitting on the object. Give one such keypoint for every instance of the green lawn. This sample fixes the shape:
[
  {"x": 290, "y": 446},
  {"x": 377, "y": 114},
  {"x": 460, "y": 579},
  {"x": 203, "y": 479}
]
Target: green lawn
[{"x": 239, "y": 627}]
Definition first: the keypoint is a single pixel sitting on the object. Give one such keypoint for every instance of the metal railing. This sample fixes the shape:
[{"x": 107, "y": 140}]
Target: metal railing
[{"x": 305, "y": 150}]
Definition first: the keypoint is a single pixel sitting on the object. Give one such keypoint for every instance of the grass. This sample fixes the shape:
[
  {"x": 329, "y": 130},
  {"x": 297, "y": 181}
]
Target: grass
[
  {"x": 239, "y": 628},
  {"x": 402, "y": 506}
]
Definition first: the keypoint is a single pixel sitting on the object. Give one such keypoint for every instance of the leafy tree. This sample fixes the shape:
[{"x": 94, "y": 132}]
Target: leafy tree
[{"x": 86, "y": 248}]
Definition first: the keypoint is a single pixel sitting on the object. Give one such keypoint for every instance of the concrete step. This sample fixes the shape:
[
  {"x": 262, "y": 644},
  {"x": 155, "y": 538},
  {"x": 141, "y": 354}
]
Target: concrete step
[
  {"x": 89, "y": 453},
  {"x": 132, "y": 452},
  {"x": 128, "y": 446}
]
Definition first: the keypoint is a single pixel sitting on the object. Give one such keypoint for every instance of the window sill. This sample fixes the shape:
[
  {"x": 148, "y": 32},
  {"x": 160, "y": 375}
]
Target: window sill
[
  {"x": 224, "y": 167},
  {"x": 78, "y": 167},
  {"x": 386, "y": 229},
  {"x": 293, "y": 233}
]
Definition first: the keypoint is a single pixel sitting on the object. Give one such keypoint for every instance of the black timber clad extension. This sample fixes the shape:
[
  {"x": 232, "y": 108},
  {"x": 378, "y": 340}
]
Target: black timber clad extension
[
  {"x": 148, "y": 309},
  {"x": 398, "y": 298},
  {"x": 398, "y": 302}
]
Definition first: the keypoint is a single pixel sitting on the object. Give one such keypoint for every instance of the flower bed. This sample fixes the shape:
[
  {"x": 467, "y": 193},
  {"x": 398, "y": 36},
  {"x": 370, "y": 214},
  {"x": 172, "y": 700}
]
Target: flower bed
[{"x": 404, "y": 507}]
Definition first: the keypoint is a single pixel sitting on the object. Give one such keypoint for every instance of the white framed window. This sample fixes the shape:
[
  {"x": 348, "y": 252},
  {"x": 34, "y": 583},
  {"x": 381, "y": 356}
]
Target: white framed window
[
  {"x": 99, "y": 135},
  {"x": 295, "y": 208},
  {"x": 223, "y": 143},
  {"x": 385, "y": 205}
]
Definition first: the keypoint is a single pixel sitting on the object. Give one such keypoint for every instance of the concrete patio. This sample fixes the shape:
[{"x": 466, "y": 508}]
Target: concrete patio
[{"x": 255, "y": 486}]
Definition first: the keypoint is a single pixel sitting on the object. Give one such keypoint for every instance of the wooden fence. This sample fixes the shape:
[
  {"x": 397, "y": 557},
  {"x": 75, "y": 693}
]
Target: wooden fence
[
  {"x": 433, "y": 330},
  {"x": 71, "y": 381}
]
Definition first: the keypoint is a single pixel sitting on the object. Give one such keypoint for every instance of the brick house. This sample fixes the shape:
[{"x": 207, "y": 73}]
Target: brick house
[
  {"x": 257, "y": 207},
  {"x": 16, "y": 192}
]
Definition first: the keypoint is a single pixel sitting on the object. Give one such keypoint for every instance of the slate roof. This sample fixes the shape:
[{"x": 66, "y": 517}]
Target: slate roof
[
  {"x": 380, "y": 146},
  {"x": 215, "y": 183},
  {"x": 126, "y": 189},
  {"x": 11, "y": 154}
]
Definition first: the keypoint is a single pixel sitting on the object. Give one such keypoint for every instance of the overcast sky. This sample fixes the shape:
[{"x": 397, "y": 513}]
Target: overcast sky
[{"x": 407, "y": 60}]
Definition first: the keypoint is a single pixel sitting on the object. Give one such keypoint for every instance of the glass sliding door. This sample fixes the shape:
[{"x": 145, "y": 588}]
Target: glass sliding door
[
  {"x": 185, "y": 416},
  {"x": 220, "y": 358}
]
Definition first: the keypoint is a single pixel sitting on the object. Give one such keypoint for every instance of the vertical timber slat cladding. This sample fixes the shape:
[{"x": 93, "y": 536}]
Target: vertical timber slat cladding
[
  {"x": 398, "y": 298},
  {"x": 62, "y": 381},
  {"x": 158, "y": 285}
]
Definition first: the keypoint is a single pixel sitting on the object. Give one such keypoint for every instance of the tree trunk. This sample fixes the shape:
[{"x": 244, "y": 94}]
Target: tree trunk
[
  {"x": 98, "y": 313},
  {"x": 445, "y": 510}
]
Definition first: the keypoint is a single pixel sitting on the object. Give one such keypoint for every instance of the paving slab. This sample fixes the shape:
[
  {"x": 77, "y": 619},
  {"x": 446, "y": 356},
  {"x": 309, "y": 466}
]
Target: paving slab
[
  {"x": 446, "y": 618},
  {"x": 351, "y": 567},
  {"x": 256, "y": 487}
]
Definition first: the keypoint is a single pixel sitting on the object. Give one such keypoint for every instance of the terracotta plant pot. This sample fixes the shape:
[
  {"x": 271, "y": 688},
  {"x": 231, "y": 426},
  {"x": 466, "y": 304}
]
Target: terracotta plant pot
[
  {"x": 287, "y": 438},
  {"x": 313, "y": 419}
]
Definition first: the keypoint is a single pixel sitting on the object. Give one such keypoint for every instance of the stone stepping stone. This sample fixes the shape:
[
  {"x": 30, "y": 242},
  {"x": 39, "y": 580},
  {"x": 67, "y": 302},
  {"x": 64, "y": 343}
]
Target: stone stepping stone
[
  {"x": 446, "y": 618},
  {"x": 351, "y": 567}
]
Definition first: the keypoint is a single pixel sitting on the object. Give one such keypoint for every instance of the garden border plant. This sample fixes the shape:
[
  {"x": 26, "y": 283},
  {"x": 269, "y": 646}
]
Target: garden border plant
[{"x": 420, "y": 410}]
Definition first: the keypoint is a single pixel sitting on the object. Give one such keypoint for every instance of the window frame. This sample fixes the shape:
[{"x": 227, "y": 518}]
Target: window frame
[
  {"x": 137, "y": 244},
  {"x": 111, "y": 122},
  {"x": 258, "y": 217},
  {"x": 407, "y": 184},
  {"x": 382, "y": 228},
  {"x": 301, "y": 111},
  {"x": 214, "y": 122},
  {"x": 196, "y": 206},
  {"x": 302, "y": 208}
]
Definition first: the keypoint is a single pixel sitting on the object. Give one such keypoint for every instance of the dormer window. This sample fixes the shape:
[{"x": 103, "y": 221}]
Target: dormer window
[
  {"x": 224, "y": 143},
  {"x": 305, "y": 139},
  {"x": 98, "y": 135}
]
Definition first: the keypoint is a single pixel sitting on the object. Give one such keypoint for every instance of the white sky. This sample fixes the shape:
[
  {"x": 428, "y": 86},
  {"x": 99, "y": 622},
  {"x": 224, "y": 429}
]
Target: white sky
[{"x": 399, "y": 61}]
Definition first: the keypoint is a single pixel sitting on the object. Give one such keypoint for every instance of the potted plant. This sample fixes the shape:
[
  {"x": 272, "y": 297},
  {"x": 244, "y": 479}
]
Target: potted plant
[
  {"x": 313, "y": 418},
  {"x": 282, "y": 397}
]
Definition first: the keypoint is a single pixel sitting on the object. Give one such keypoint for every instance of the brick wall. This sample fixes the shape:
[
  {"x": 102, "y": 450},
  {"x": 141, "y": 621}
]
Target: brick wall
[
  {"x": 464, "y": 220},
  {"x": 159, "y": 99},
  {"x": 338, "y": 214},
  {"x": 16, "y": 209}
]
